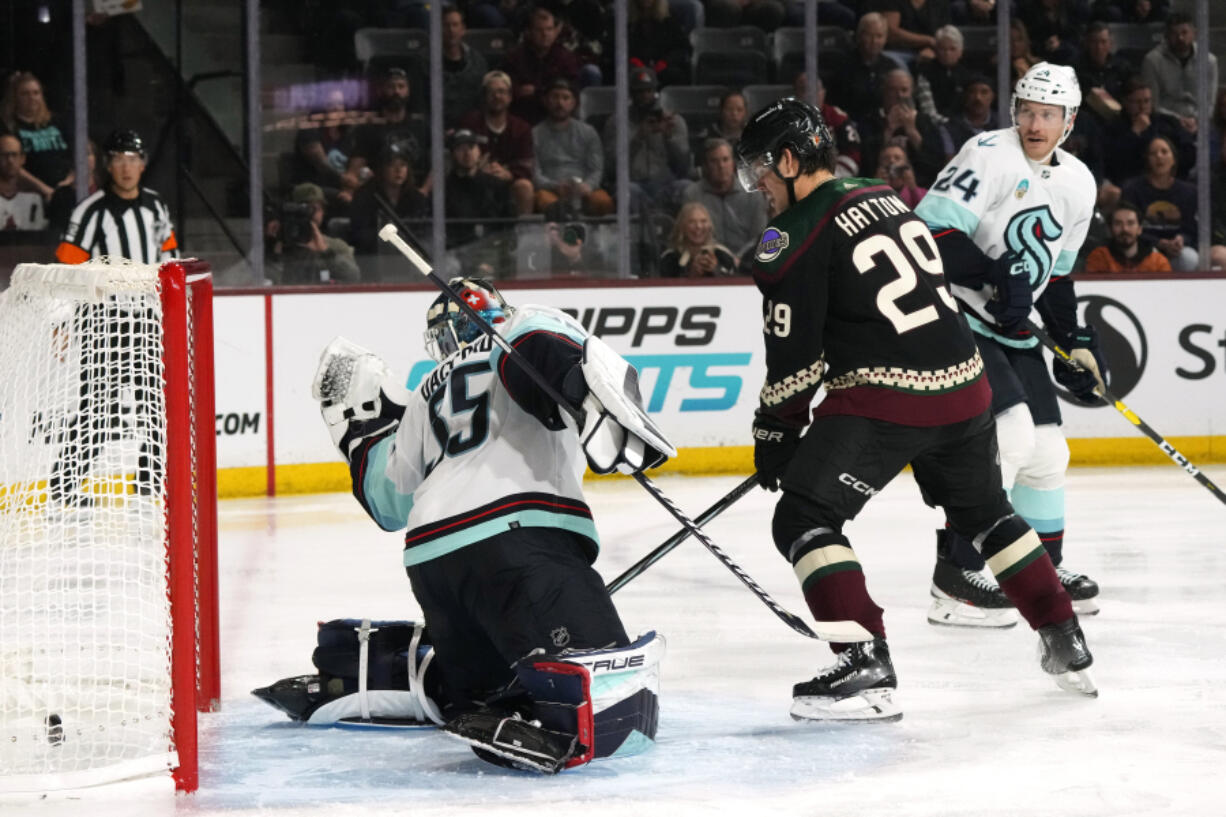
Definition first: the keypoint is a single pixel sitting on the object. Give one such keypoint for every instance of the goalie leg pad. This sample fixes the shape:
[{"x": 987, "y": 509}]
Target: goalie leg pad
[
  {"x": 625, "y": 694},
  {"x": 617, "y": 434}
]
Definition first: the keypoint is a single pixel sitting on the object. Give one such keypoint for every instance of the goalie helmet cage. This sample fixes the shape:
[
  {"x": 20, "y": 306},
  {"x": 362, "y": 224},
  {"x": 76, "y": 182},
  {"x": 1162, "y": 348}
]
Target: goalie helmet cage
[{"x": 108, "y": 503}]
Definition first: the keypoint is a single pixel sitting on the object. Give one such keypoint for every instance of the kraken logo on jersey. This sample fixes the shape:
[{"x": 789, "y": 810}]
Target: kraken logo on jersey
[{"x": 1027, "y": 235}]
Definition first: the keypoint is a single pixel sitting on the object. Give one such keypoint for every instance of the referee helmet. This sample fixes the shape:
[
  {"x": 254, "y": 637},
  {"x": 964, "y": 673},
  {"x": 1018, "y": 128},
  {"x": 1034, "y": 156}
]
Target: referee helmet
[{"x": 123, "y": 141}]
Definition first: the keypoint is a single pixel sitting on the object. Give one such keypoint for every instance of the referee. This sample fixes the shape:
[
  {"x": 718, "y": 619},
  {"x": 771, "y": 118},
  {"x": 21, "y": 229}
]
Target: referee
[{"x": 123, "y": 219}]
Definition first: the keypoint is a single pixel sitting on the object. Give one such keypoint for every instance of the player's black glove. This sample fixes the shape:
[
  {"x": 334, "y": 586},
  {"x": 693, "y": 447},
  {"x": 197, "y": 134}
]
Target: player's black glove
[
  {"x": 1082, "y": 346},
  {"x": 1013, "y": 299},
  {"x": 774, "y": 445}
]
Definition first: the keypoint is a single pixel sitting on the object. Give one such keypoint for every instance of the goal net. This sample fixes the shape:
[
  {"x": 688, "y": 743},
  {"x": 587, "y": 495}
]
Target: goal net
[{"x": 108, "y": 639}]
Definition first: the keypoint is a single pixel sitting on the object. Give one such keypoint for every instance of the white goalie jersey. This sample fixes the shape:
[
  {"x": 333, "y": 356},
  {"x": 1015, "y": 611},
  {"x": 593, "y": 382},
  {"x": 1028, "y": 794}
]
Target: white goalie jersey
[
  {"x": 1006, "y": 203},
  {"x": 467, "y": 462}
]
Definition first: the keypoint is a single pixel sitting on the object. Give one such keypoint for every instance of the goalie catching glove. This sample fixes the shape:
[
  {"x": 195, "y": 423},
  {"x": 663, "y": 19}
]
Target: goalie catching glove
[
  {"x": 354, "y": 388},
  {"x": 614, "y": 430},
  {"x": 1085, "y": 381}
]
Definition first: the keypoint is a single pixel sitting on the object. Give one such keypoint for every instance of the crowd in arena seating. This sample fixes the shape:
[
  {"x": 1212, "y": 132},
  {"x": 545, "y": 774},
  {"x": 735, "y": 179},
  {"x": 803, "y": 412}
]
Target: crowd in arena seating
[{"x": 531, "y": 158}]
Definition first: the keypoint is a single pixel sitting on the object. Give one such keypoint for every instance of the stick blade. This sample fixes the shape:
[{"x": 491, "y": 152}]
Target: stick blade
[{"x": 841, "y": 632}]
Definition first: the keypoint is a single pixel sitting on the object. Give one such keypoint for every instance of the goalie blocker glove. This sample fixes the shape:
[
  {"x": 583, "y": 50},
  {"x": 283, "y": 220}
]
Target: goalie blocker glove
[
  {"x": 354, "y": 388},
  {"x": 616, "y": 433}
]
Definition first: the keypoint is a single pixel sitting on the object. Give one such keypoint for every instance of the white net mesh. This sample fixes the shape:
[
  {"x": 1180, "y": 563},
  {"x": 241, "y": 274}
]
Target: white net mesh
[{"x": 84, "y": 611}]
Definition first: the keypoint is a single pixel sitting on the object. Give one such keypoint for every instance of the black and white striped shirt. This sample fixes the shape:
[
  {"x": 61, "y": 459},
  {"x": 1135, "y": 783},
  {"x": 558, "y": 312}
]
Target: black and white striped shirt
[{"x": 104, "y": 224}]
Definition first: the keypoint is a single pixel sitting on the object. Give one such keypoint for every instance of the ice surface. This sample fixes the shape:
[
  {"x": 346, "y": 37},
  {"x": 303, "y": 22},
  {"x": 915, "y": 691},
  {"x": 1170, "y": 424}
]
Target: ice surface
[{"x": 984, "y": 732}]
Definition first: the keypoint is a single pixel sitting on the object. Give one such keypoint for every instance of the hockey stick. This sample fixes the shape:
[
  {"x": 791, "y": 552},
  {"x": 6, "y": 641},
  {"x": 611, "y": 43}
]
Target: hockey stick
[
  {"x": 837, "y": 631},
  {"x": 1167, "y": 448},
  {"x": 722, "y": 504}
]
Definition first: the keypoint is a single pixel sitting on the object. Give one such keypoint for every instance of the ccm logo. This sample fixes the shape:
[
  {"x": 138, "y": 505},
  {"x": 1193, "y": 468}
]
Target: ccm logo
[
  {"x": 857, "y": 485},
  {"x": 768, "y": 436}
]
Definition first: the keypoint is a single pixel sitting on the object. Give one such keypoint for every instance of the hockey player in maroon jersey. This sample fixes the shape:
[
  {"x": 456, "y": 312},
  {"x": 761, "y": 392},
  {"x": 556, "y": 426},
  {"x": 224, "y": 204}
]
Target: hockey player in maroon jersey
[{"x": 854, "y": 297}]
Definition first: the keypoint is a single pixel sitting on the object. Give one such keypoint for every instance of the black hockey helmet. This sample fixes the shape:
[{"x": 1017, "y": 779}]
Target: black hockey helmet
[
  {"x": 788, "y": 123},
  {"x": 449, "y": 329},
  {"x": 124, "y": 141}
]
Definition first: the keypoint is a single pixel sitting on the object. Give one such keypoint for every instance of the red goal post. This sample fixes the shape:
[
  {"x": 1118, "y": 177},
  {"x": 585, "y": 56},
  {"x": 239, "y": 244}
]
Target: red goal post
[{"x": 108, "y": 527}]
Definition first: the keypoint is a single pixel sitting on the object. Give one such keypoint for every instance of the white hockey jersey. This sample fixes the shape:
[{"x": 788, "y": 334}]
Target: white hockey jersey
[
  {"x": 24, "y": 211},
  {"x": 468, "y": 463},
  {"x": 993, "y": 193}
]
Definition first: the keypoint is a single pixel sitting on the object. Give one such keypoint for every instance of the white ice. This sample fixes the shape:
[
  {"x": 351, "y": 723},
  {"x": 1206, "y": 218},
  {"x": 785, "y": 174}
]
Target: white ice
[{"x": 984, "y": 732}]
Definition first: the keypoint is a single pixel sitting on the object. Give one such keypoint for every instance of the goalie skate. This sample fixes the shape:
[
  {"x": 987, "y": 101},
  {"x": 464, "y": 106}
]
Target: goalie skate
[
  {"x": 511, "y": 741},
  {"x": 858, "y": 687},
  {"x": 1081, "y": 589},
  {"x": 1063, "y": 653}
]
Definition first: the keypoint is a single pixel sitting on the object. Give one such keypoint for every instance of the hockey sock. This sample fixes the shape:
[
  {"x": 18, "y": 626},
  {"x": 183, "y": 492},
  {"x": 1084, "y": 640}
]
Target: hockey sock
[
  {"x": 958, "y": 550},
  {"x": 1026, "y": 574},
  {"x": 833, "y": 582},
  {"x": 1043, "y": 510}
]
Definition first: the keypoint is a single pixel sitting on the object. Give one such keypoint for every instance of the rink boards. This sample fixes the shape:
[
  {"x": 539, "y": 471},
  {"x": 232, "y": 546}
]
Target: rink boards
[{"x": 699, "y": 352}]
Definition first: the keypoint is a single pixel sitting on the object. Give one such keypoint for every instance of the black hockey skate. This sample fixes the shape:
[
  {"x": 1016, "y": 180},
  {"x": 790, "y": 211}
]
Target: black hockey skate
[
  {"x": 966, "y": 598},
  {"x": 1082, "y": 589},
  {"x": 1063, "y": 653},
  {"x": 858, "y": 687}
]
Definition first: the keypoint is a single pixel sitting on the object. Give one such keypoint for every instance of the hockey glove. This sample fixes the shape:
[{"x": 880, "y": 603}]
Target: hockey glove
[
  {"x": 1085, "y": 382},
  {"x": 774, "y": 445},
  {"x": 354, "y": 387},
  {"x": 1013, "y": 299}
]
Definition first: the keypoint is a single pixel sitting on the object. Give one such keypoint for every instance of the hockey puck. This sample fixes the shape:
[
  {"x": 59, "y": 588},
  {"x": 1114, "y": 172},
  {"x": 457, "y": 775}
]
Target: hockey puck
[{"x": 55, "y": 730}]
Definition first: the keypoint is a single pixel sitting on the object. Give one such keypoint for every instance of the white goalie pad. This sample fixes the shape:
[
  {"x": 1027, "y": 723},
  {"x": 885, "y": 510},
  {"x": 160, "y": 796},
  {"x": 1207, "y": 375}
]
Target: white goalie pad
[
  {"x": 352, "y": 383},
  {"x": 617, "y": 434}
]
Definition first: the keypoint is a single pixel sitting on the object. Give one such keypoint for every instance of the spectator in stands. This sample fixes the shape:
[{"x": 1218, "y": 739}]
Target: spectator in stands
[
  {"x": 538, "y": 60},
  {"x": 1170, "y": 71},
  {"x": 927, "y": 143},
  {"x": 308, "y": 255},
  {"x": 463, "y": 69},
  {"x": 64, "y": 199},
  {"x": 512, "y": 14},
  {"x": 1217, "y": 125},
  {"x": 857, "y": 88},
  {"x": 733, "y": 114},
  {"x": 767, "y": 15},
  {"x": 473, "y": 196},
  {"x": 1056, "y": 27},
  {"x": 569, "y": 252},
  {"x": 394, "y": 125},
  {"x": 657, "y": 41},
  {"x": 1217, "y": 208},
  {"x": 508, "y": 140},
  {"x": 1136, "y": 127},
  {"x": 737, "y": 216},
  {"x": 939, "y": 82},
  {"x": 1127, "y": 250},
  {"x": 913, "y": 24},
  {"x": 978, "y": 111},
  {"x": 392, "y": 188},
  {"x": 1101, "y": 73},
  {"x": 1168, "y": 205},
  {"x": 1021, "y": 57},
  {"x": 693, "y": 248},
  {"x": 1132, "y": 11},
  {"x": 569, "y": 159},
  {"x": 894, "y": 167},
  {"x": 659, "y": 146},
  {"x": 44, "y": 139},
  {"x": 842, "y": 126},
  {"x": 973, "y": 12},
  {"x": 20, "y": 207},
  {"x": 321, "y": 149}
]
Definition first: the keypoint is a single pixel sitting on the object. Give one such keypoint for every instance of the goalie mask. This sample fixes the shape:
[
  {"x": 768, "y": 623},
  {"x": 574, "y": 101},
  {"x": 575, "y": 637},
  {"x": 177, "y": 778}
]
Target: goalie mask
[{"x": 449, "y": 329}]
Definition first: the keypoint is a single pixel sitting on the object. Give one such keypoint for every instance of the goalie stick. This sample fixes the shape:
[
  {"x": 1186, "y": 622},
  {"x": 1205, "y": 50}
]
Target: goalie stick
[
  {"x": 722, "y": 504},
  {"x": 836, "y": 631},
  {"x": 1106, "y": 395}
]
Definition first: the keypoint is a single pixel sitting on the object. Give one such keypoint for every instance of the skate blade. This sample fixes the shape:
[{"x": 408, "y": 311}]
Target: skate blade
[
  {"x": 947, "y": 612},
  {"x": 1086, "y": 607},
  {"x": 1079, "y": 681},
  {"x": 869, "y": 705}
]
